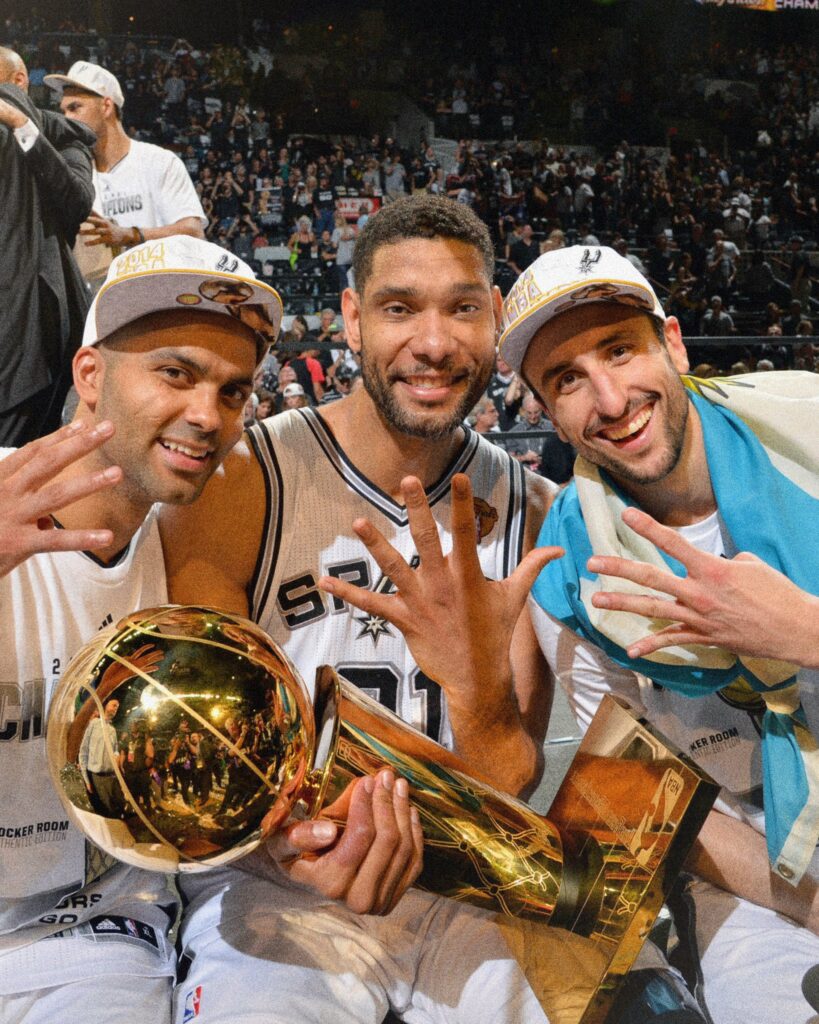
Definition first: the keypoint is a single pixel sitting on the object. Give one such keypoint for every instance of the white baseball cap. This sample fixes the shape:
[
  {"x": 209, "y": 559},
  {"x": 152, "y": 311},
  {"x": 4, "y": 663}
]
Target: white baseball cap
[
  {"x": 91, "y": 78},
  {"x": 181, "y": 272},
  {"x": 291, "y": 390},
  {"x": 563, "y": 279}
]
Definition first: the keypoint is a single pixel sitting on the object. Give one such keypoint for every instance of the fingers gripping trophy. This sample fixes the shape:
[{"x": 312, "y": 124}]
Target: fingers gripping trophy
[{"x": 214, "y": 744}]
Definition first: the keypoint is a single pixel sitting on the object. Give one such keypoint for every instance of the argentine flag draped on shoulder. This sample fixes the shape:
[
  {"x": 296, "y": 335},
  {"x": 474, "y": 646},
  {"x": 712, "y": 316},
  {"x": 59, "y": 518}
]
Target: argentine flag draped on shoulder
[{"x": 761, "y": 435}]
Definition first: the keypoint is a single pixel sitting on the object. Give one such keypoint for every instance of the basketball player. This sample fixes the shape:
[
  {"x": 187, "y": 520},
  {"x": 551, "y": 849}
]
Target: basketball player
[
  {"x": 277, "y": 518},
  {"x": 162, "y": 382}
]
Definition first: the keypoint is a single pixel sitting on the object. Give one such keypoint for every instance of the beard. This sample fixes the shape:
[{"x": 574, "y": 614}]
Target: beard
[
  {"x": 673, "y": 441},
  {"x": 434, "y": 425}
]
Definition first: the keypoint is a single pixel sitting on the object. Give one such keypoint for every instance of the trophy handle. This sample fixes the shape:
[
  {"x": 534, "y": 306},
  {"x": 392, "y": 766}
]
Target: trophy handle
[{"x": 480, "y": 846}]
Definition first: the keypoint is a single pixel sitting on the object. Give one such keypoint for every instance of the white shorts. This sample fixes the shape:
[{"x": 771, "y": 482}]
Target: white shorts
[
  {"x": 267, "y": 953},
  {"x": 752, "y": 960},
  {"x": 109, "y": 999}
]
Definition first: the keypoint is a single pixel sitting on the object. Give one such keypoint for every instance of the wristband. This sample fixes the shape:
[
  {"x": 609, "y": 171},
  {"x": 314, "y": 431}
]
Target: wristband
[{"x": 140, "y": 236}]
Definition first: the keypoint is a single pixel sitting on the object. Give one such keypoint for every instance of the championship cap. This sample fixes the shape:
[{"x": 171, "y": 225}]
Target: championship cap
[
  {"x": 563, "y": 279},
  {"x": 91, "y": 78},
  {"x": 181, "y": 272}
]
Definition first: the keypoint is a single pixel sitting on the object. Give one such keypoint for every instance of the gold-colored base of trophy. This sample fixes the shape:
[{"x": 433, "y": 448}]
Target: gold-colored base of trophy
[{"x": 210, "y": 733}]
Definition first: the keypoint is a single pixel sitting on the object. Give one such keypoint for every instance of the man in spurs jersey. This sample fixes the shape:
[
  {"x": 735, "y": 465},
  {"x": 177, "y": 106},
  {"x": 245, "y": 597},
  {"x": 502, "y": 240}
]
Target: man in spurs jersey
[
  {"x": 162, "y": 387},
  {"x": 275, "y": 521}
]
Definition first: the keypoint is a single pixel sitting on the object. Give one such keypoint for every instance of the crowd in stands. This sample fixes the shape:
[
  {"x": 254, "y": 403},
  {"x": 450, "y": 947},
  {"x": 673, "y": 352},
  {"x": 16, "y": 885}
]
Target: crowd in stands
[{"x": 727, "y": 234}]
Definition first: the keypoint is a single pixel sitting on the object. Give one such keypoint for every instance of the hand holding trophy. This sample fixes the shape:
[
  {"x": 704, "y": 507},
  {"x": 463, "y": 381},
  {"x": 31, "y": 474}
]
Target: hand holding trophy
[{"x": 237, "y": 749}]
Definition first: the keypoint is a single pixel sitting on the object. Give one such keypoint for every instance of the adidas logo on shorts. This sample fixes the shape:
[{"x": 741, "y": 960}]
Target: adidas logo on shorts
[{"x": 105, "y": 926}]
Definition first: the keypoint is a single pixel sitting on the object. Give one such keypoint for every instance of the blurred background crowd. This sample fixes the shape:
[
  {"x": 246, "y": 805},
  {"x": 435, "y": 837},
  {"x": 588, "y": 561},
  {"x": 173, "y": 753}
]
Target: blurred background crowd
[{"x": 685, "y": 136}]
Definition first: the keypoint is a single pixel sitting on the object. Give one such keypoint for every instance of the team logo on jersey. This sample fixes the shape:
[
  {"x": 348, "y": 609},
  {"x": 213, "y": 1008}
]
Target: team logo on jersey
[
  {"x": 485, "y": 518},
  {"x": 374, "y": 626},
  {"x": 193, "y": 1001}
]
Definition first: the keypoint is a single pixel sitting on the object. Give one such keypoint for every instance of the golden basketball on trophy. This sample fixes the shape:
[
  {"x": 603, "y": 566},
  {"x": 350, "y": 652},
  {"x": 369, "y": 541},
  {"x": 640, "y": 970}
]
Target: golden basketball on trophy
[{"x": 181, "y": 737}]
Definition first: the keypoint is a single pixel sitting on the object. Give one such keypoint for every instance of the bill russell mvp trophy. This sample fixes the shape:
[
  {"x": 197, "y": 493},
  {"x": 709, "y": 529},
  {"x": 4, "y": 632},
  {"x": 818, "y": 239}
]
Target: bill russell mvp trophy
[{"x": 181, "y": 737}]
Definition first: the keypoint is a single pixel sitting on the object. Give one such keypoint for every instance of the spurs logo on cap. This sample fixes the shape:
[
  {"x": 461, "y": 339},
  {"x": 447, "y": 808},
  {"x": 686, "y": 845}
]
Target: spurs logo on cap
[{"x": 587, "y": 260}]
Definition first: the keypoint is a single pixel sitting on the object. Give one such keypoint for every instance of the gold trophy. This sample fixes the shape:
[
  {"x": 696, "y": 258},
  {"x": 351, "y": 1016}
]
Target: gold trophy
[{"x": 181, "y": 737}]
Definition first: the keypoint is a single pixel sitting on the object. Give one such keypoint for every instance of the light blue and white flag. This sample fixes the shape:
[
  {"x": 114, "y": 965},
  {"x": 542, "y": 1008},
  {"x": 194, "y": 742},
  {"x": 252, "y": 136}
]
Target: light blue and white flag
[{"x": 761, "y": 436}]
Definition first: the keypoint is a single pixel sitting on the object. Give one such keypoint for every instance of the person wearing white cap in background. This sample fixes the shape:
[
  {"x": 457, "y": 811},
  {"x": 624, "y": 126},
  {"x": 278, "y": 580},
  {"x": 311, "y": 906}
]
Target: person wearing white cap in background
[
  {"x": 143, "y": 192},
  {"x": 294, "y": 397},
  {"x": 718, "y": 649},
  {"x": 169, "y": 352}
]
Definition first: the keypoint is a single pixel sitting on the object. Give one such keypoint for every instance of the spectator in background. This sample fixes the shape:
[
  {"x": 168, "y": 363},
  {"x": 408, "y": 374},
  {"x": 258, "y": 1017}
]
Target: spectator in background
[
  {"x": 721, "y": 268},
  {"x": 799, "y": 276},
  {"x": 143, "y": 192},
  {"x": 324, "y": 201},
  {"x": 524, "y": 251},
  {"x": 46, "y": 174},
  {"x": 301, "y": 242},
  {"x": 716, "y": 323},
  {"x": 344, "y": 238},
  {"x": 735, "y": 221},
  {"x": 287, "y": 375},
  {"x": 659, "y": 261},
  {"x": 395, "y": 175},
  {"x": 791, "y": 322},
  {"x": 527, "y": 450},
  {"x": 341, "y": 386},
  {"x": 505, "y": 389},
  {"x": 759, "y": 282},
  {"x": 294, "y": 398},
  {"x": 484, "y": 416},
  {"x": 266, "y": 406}
]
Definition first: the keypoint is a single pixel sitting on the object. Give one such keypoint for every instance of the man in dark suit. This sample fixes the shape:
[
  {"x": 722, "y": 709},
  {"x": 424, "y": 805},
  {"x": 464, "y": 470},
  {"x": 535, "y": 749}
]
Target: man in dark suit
[{"x": 46, "y": 176}]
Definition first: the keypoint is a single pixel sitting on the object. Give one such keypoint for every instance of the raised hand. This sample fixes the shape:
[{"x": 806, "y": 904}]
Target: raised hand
[
  {"x": 11, "y": 116},
  {"x": 458, "y": 624},
  {"x": 740, "y": 604},
  {"x": 30, "y": 491},
  {"x": 367, "y": 864}
]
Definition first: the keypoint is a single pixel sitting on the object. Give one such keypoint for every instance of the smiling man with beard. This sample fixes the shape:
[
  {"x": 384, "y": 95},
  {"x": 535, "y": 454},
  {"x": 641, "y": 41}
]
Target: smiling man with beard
[
  {"x": 713, "y": 636},
  {"x": 424, "y": 319},
  {"x": 162, "y": 377}
]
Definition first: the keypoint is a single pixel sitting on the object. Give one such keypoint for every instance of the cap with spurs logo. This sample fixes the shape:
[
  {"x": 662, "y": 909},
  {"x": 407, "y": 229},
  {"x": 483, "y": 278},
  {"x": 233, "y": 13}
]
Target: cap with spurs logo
[
  {"x": 565, "y": 278},
  {"x": 181, "y": 272}
]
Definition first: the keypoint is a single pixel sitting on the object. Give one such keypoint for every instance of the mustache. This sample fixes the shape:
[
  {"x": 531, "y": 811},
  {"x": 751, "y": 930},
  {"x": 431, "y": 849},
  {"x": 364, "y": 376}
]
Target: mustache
[{"x": 635, "y": 404}]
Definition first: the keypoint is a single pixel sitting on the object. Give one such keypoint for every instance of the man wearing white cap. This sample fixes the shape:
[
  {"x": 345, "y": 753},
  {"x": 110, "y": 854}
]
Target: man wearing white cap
[
  {"x": 143, "y": 192},
  {"x": 170, "y": 347},
  {"x": 728, "y": 668}
]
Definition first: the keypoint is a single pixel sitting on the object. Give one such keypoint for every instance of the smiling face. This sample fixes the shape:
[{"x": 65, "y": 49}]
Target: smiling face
[
  {"x": 425, "y": 329},
  {"x": 174, "y": 385},
  {"x": 613, "y": 389}
]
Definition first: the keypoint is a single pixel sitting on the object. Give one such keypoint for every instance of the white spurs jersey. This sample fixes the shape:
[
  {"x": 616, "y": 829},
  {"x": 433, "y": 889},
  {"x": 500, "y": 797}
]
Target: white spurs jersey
[
  {"x": 51, "y": 879},
  {"x": 314, "y": 493}
]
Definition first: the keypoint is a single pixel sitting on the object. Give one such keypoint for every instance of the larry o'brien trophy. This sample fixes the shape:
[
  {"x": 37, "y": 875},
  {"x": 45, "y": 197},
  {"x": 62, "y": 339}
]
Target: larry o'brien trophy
[{"x": 181, "y": 737}]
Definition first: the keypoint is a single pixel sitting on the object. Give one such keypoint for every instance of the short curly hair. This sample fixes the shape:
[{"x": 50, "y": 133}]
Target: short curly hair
[{"x": 420, "y": 216}]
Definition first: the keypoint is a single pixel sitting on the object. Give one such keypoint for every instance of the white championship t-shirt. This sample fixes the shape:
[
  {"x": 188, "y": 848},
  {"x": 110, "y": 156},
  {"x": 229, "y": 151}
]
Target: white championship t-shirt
[{"x": 148, "y": 188}]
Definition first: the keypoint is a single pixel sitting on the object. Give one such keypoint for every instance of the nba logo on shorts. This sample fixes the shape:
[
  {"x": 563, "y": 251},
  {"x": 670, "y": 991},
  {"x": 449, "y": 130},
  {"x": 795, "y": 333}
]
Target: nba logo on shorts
[{"x": 192, "y": 1001}]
